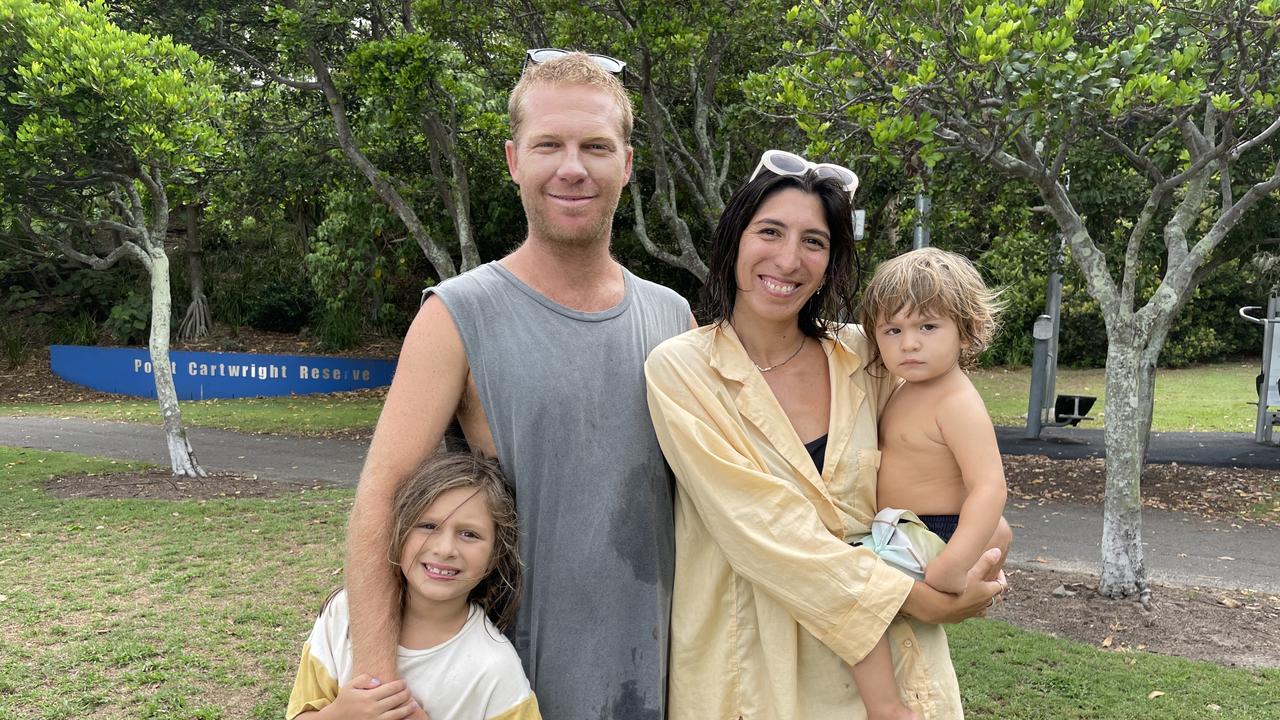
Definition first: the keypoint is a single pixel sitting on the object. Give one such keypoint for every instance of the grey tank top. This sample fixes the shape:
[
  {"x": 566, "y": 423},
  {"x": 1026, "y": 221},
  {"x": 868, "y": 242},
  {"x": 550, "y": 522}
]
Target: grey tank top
[{"x": 564, "y": 394}]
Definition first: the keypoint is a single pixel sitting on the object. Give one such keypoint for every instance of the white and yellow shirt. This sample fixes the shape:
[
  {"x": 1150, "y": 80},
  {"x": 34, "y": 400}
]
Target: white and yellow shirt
[{"x": 475, "y": 675}]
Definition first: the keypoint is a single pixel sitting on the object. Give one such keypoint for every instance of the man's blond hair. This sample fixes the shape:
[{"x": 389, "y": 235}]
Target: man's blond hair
[
  {"x": 933, "y": 282},
  {"x": 571, "y": 69}
]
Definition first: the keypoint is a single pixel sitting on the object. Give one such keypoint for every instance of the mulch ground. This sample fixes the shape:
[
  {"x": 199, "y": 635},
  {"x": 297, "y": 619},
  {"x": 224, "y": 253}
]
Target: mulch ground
[
  {"x": 1221, "y": 493},
  {"x": 159, "y": 484},
  {"x": 1231, "y": 628}
]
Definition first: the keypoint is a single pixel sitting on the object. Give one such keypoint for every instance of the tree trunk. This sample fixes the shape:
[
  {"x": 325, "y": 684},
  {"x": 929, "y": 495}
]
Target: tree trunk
[
  {"x": 1130, "y": 384},
  {"x": 460, "y": 191},
  {"x": 197, "y": 322},
  {"x": 182, "y": 458}
]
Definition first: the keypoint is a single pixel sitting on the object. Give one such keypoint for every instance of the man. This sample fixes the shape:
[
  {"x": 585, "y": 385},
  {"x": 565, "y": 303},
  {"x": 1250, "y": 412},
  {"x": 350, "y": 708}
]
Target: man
[{"x": 539, "y": 356}]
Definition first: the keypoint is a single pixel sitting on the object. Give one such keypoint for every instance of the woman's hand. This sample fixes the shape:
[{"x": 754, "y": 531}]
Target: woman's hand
[{"x": 939, "y": 608}]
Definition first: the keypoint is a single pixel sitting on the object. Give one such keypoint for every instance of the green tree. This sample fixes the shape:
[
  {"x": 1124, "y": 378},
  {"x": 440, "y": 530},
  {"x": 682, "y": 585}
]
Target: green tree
[
  {"x": 407, "y": 86},
  {"x": 98, "y": 128},
  {"x": 1176, "y": 98}
]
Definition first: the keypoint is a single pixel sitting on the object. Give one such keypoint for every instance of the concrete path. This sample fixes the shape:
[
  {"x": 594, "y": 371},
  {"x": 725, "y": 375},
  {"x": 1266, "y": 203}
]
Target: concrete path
[{"x": 1180, "y": 549}]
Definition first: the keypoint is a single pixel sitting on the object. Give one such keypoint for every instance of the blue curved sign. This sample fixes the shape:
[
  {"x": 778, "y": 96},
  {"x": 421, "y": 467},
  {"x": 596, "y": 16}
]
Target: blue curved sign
[{"x": 208, "y": 375}]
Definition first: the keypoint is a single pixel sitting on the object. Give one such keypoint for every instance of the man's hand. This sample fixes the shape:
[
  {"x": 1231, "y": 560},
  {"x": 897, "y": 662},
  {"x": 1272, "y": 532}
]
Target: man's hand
[
  {"x": 939, "y": 608},
  {"x": 364, "y": 698}
]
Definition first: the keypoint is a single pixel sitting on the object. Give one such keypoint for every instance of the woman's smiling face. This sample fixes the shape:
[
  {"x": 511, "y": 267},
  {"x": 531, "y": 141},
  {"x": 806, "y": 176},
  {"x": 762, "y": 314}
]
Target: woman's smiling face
[{"x": 782, "y": 257}]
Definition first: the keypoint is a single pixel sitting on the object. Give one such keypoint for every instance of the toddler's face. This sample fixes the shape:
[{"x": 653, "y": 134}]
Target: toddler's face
[{"x": 918, "y": 347}]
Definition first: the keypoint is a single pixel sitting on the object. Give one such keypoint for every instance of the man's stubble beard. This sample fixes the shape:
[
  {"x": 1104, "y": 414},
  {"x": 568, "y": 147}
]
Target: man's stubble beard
[{"x": 594, "y": 234}]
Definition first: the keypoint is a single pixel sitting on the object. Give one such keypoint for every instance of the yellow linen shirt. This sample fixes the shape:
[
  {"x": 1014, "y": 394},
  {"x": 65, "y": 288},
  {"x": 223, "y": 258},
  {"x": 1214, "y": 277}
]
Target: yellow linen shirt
[{"x": 770, "y": 603}]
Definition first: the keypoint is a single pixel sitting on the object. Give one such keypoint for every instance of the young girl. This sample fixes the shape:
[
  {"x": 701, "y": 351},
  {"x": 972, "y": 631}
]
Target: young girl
[
  {"x": 455, "y": 542},
  {"x": 929, "y": 312}
]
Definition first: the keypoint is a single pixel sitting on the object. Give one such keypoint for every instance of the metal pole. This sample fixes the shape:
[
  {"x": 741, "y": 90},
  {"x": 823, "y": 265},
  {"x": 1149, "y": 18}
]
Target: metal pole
[
  {"x": 1053, "y": 308},
  {"x": 921, "y": 237},
  {"x": 1262, "y": 428},
  {"x": 1040, "y": 331}
]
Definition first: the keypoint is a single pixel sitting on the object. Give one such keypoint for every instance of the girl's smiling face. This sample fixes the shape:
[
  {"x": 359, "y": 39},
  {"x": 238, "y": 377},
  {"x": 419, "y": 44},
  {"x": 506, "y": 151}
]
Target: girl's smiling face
[{"x": 448, "y": 551}]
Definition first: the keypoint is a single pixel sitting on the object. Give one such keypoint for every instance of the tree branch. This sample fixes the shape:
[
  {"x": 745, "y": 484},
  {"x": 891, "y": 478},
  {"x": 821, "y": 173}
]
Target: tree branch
[
  {"x": 307, "y": 85},
  {"x": 1254, "y": 141},
  {"x": 1132, "y": 253},
  {"x": 1141, "y": 163}
]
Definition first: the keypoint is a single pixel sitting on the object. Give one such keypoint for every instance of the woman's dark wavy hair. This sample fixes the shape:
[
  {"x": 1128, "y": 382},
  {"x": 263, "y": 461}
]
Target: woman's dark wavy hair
[{"x": 835, "y": 303}]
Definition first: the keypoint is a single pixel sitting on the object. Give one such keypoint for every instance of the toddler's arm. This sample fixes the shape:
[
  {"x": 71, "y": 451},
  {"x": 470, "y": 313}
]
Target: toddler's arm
[{"x": 967, "y": 430}]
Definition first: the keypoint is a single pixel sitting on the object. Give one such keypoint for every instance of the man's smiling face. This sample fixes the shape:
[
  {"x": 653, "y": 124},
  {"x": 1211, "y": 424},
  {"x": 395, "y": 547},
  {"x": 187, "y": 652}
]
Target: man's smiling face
[{"x": 570, "y": 162}]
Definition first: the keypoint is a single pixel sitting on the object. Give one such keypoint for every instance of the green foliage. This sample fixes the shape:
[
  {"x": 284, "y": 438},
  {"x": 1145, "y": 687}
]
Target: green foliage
[
  {"x": 14, "y": 345},
  {"x": 366, "y": 277},
  {"x": 79, "y": 329},
  {"x": 128, "y": 320},
  {"x": 281, "y": 305},
  {"x": 84, "y": 100},
  {"x": 338, "y": 327}
]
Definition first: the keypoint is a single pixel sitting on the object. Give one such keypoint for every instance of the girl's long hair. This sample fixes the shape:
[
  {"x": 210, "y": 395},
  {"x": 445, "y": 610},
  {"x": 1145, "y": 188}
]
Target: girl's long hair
[{"x": 499, "y": 592}]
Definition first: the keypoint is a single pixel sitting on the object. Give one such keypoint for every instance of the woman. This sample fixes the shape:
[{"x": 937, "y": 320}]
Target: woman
[{"x": 768, "y": 419}]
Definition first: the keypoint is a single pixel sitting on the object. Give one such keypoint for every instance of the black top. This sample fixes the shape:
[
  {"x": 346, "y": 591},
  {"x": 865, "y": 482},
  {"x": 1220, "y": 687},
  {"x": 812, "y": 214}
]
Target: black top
[{"x": 818, "y": 451}]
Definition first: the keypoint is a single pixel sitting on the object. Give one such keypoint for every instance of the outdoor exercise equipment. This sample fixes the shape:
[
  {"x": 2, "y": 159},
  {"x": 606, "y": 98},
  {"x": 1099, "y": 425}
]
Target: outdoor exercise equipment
[
  {"x": 1268, "y": 381},
  {"x": 1045, "y": 408}
]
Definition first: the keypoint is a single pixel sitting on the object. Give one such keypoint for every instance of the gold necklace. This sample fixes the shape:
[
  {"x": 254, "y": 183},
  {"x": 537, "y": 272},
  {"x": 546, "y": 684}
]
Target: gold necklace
[{"x": 784, "y": 362}]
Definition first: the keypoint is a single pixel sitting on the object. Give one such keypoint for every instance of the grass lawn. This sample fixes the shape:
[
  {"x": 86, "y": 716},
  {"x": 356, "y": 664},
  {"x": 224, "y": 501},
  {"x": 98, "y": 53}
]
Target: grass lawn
[
  {"x": 1201, "y": 398},
  {"x": 198, "y": 609},
  {"x": 150, "y": 609},
  {"x": 298, "y": 415}
]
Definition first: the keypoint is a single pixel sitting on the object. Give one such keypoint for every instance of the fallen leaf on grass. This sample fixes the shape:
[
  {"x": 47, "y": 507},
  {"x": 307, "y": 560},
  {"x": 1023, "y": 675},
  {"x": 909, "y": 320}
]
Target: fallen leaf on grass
[{"x": 1154, "y": 694}]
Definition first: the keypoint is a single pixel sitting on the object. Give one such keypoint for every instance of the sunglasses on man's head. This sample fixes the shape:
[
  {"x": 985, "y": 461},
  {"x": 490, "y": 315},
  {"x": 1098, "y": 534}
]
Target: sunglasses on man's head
[
  {"x": 538, "y": 56},
  {"x": 781, "y": 162}
]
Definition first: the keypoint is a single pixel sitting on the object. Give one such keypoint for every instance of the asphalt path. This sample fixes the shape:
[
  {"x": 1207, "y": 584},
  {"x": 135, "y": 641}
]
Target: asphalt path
[
  {"x": 1180, "y": 549},
  {"x": 1185, "y": 448},
  {"x": 274, "y": 457}
]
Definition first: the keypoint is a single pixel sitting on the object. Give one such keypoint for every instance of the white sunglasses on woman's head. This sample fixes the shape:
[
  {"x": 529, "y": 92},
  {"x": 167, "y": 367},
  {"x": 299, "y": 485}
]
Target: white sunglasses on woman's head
[
  {"x": 781, "y": 162},
  {"x": 537, "y": 56}
]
